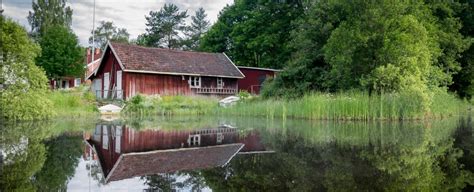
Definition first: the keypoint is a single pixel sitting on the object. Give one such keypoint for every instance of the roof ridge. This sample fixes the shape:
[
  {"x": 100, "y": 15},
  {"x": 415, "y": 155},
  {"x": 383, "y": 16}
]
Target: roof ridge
[{"x": 165, "y": 49}]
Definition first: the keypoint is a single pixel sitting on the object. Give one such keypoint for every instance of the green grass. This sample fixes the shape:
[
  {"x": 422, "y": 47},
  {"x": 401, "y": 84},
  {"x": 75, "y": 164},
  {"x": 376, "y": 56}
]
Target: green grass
[
  {"x": 170, "y": 105},
  {"x": 76, "y": 102},
  {"x": 351, "y": 106}
]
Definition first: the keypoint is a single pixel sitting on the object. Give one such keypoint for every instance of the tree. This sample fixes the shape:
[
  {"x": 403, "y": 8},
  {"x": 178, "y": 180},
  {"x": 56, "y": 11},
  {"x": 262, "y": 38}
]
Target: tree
[
  {"x": 24, "y": 84},
  {"x": 254, "y": 33},
  {"x": 198, "y": 27},
  {"x": 141, "y": 40},
  {"x": 384, "y": 46},
  {"x": 107, "y": 31},
  {"x": 62, "y": 157},
  {"x": 164, "y": 26},
  {"x": 49, "y": 13},
  {"x": 61, "y": 54},
  {"x": 464, "y": 80}
]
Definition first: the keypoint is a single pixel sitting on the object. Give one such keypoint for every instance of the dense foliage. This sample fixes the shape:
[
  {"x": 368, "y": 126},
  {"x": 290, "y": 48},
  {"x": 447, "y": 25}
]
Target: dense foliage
[
  {"x": 61, "y": 54},
  {"x": 23, "y": 95},
  {"x": 254, "y": 33},
  {"x": 464, "y": 80},
  {"x": 376, "y": 46}
]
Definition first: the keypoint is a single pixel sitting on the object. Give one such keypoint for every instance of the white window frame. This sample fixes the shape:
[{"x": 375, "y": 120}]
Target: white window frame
[
  {"x": 194, "y": 140},
  {"x": 220, "y": 83},
  {"x": 77, "y": 82},
  {"x": 194, "y": 82}
]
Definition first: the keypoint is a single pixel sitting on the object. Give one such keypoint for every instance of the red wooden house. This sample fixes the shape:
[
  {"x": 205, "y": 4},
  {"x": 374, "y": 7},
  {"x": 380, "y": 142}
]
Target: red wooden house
[
  {"x": 68, "y": 82},
  {"x": 126, "y": 70},
  {"x": 254, "y": 78}
]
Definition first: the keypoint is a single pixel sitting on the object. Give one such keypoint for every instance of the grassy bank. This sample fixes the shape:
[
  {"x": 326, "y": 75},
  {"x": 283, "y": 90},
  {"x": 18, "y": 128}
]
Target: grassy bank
[
  {"x": 351, "y": 106},
  {"x": 78, "y": 102},
  {"x": 170, "y": 105}
]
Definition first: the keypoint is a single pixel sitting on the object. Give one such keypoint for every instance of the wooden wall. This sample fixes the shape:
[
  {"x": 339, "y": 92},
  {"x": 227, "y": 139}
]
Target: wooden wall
[
  {"x": 152, "y": 84},
  {"x": 253, "y": 79},
  {"x": 111, "y": 66}
]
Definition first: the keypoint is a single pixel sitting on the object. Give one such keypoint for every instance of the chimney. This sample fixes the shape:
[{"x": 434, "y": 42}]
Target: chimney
[
  {"x": 97, "y": 51},
  {"x": 88, "y": 51}
]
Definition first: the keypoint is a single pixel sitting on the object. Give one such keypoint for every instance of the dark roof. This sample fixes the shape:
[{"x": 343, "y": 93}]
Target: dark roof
[
  {"x": 167, "y": 161},
  {"x": 259, "y": 68},
  {"x": 158, "y": 60}
]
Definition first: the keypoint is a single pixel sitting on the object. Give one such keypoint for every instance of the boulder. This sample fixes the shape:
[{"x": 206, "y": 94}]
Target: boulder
[{"x": 229, "y": 101}]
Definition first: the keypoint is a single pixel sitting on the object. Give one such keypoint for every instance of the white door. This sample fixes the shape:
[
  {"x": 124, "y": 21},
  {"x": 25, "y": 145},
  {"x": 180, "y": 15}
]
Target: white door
[
  {"x": 106, "y": 84},
  {"x": 119, "y": 85},
  {"x": 97, "y": 88},
  {"x": 66, "y": 84}
]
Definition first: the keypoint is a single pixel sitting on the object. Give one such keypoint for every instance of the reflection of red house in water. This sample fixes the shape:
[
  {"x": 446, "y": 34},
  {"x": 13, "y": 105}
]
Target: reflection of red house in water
[{"x": 124, "y": 152}]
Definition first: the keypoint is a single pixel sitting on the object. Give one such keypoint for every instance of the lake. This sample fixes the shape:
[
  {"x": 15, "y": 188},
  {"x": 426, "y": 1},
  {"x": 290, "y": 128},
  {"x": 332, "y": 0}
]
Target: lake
[{"x": 237, "y": 154}]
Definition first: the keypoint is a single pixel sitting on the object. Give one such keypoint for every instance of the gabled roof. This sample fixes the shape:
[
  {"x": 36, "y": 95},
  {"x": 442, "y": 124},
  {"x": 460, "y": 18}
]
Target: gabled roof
[
  {"x": 133, "y": 58},
  {"x": 260, "y": 68},
  {"x": 167, "y": 161}
]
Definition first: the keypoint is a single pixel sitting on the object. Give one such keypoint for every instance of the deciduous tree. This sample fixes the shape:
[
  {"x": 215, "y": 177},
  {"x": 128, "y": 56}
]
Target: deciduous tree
[
  {"x": 46, "y": 14},
  {"x": 23, "y": 83},
  {"x": 61, "y": 54},
  {"x": 107, "y": 31}
]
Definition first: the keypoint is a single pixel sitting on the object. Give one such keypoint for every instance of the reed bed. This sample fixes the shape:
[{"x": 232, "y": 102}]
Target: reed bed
[{"x": 351, "y": 106}]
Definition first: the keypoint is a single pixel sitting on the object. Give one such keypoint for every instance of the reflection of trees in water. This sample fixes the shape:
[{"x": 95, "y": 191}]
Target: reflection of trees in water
[
  {"x": 21, "y": 165},
  {"x": 22, "y": 172},
  {"x": 464, "y": 140},
  {"x": 62, "y": 157},
  {"x": 419, "y": 157},
  {"x": 161, "y": 182},
  {"x": 191, "y": 180},
  {"x": 95, "y": 172},
  {"x": 16, "y": 175}
]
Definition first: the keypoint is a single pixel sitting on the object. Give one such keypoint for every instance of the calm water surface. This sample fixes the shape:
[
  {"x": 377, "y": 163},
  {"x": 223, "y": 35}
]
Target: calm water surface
[{"x": 237, "y": 154}]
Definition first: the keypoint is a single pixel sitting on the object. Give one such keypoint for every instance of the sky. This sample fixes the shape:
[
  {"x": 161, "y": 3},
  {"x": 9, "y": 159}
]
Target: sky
[{"x": 129, "y": 14}]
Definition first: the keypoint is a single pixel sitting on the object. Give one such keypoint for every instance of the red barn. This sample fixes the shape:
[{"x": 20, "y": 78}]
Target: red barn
[
  {"x": 126, "y": 70},
  {"x": 254, "y": 78}
]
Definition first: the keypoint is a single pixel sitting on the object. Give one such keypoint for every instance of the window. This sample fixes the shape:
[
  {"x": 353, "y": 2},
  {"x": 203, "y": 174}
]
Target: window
[
  {"x": 220, "y": 138},
  {"x": 77, "y": 82},
  {"x": 220, "y": 83},
  {"x": 194, "y": 82},
  {"x": 194, "y": 140}
]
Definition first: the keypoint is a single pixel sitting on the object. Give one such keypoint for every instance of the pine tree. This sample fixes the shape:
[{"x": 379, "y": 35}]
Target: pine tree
[
  {"x": 164, "y": 26},
  {"x": 198, "y": 27}
]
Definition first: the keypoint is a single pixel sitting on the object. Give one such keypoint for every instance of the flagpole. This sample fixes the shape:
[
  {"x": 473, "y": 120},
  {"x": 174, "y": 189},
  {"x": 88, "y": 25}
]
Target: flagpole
[{"x": 93, "y": 34}]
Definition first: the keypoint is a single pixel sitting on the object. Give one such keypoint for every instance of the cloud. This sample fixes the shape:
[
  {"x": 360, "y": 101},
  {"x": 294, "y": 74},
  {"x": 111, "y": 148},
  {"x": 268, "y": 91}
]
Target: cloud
[{"x": 129, "y": 14}]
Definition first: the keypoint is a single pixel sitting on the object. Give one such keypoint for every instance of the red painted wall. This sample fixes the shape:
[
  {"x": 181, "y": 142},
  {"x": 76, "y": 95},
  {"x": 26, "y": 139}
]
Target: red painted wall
[
  {"x": 151, "y": 84},
  {"x": 254, "y": 79},
  {"x": 111, "y": 66}
]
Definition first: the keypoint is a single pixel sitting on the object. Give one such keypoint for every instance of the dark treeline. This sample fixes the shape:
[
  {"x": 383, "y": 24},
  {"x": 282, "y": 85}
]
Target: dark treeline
[{"x": 376, "y": 46}]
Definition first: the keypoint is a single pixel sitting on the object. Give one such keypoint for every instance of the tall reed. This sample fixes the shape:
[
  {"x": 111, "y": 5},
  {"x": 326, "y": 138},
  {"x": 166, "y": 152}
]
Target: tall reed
[{"x": 350, "y": 106}]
